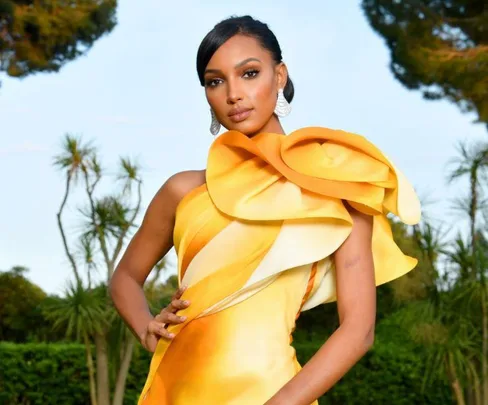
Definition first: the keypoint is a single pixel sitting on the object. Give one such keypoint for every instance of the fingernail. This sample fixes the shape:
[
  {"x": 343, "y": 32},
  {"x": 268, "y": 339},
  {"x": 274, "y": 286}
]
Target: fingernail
[
  {"x": 186, "y": 302},
  {"x": 183, "y": 318},
  {"x": 171, "y": 335}
]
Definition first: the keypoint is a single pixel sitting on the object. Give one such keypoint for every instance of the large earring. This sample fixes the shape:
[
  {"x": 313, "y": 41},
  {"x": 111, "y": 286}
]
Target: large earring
[
  {"x": 283, "y": 107},
  {"x": 215, "y": 124}
]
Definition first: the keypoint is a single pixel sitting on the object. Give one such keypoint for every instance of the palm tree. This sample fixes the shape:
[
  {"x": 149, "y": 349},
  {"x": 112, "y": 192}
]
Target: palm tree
[
  {"x": 107, "y": 222},
  {"x": 82, "y": 313},
  {"x": 473, "y": 162},
  {"x": 73, "y": 161},
  {"x": 451, "y": 313},
  {"x": 446, "y": 320}
]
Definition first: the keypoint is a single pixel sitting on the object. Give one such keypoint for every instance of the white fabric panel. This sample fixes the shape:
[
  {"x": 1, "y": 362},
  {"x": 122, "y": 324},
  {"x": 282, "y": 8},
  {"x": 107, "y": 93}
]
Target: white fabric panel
[{"x": 298, "y": 245}]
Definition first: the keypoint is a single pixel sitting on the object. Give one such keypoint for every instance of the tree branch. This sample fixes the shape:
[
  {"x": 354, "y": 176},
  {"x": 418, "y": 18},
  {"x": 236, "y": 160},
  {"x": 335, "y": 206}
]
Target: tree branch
[
  {"x": 122, "y": 236},
  {"x": 100, "y": 234},
  {"x": 123, "y": 370},
  {"x": 61, "y": 228}
]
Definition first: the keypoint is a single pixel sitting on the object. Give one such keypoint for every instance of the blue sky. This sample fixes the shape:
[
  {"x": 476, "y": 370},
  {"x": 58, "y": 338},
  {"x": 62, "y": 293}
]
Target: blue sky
[{"x": 136, "y": 93}]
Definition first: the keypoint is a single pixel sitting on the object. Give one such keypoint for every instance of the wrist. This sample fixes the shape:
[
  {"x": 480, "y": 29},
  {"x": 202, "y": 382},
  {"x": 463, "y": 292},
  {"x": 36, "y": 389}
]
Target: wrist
[
  {"x": 143, "y": 331},
  {"x": 141, "y": 336}
]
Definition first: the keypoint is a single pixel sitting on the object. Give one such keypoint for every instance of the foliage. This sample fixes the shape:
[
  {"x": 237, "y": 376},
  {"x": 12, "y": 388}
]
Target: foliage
[
  {"x": 43, "y": 374},
  {"x": 106, "y": 220},
  {"x": 438, "y": 47},
  {"x": 391, "y": 373},
  {"x": 20, "y": 300},
  {"x": 80, "y": 311},
  {"x": 451, "y": 321},
  {"x": 421, "y": 282},
  {"x": 41, "y": 36}
]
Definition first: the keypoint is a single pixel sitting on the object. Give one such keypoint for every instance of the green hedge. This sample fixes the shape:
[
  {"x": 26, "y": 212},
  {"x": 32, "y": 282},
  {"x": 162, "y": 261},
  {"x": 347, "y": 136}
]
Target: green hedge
[
  {"x": 391, "y": 373},
  {"x": 40, "y": 373},
  {"x": 53, "y": 374}
]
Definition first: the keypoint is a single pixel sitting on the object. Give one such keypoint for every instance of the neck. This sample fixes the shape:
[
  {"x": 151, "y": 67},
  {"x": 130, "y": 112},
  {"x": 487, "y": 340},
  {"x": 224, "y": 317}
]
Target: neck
[{"x": 273, "y": 125}]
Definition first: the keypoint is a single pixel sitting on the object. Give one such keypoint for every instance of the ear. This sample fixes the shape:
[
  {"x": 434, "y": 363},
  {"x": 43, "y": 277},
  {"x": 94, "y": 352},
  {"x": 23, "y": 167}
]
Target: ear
[{"x": 281, "y": 73}]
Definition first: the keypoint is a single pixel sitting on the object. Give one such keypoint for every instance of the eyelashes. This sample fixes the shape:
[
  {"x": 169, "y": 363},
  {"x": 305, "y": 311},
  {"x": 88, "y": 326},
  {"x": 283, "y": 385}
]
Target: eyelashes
[
  {"x": 253, "y": 72},
  {"x": 248, "y": 74},
  {"x": 212, "y": 82}
]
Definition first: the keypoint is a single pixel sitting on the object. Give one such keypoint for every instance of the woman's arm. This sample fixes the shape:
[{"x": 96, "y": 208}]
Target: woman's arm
[
  {"x": 151, "y": 242},
  {"x": 356, "y": 302}
]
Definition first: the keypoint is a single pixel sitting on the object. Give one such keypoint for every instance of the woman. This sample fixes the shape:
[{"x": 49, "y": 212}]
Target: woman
[{"x": 274, "y": 226}]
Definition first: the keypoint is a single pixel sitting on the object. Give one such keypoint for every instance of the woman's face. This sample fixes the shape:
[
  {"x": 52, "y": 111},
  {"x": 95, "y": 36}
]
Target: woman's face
[{"x": 241, "y": 85}]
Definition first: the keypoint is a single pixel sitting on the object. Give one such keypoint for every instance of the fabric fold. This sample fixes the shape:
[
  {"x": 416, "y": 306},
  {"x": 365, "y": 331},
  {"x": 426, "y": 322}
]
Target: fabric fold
[{"x": 273, "y": 204}]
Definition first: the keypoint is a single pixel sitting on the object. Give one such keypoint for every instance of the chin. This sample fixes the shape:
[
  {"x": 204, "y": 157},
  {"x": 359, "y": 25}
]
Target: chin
[{"x": 247, "y": 127}]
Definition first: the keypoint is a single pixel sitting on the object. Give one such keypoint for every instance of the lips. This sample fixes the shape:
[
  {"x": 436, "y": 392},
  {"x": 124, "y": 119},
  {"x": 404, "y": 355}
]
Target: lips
[{"x": 239, "y": 114}]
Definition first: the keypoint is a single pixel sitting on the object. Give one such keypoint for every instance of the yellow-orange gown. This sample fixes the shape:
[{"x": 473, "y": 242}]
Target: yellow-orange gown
[{"x": 254, "y": 245}]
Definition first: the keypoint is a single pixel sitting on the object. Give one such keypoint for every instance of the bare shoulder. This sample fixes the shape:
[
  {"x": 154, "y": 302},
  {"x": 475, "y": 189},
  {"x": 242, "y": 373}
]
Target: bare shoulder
[
  {"x": 174, "y": 189},
  {"x": 180, "y": 184}
]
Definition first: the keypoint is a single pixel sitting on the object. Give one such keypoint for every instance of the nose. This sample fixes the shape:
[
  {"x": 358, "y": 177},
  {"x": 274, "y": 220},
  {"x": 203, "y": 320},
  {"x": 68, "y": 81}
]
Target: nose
[{"x": 234, "y": 93}]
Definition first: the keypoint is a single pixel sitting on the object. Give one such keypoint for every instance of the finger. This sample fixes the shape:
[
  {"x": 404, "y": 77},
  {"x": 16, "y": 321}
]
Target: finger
[
  {"x": 174, "y": 319},
  {"x": 180, "y": 304},
  {"x": 170, "y": 308},
  {"x": 158, "y": 329},
  {"x": 176, "y": 305},
  {"x": 159, "y": 317},
  {"x": 179, "y": 292}
]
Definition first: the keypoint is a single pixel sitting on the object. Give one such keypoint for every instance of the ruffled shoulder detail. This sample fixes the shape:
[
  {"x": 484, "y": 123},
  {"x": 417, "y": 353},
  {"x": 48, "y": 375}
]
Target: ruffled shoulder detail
[
  {"x": 275, "y": 203},
  {"x": 306, "y": 174}
]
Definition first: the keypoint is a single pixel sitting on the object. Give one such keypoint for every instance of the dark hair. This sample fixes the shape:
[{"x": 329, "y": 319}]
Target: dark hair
[{"x": 245, "y": 25}]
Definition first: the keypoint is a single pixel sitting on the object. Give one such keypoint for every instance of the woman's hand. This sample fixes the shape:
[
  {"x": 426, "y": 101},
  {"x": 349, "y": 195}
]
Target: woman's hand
[{"x": 156, "y": 328}]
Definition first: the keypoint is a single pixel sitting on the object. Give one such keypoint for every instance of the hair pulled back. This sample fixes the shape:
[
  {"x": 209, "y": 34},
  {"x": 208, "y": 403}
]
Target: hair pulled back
[{"x": 245, "y": 25}]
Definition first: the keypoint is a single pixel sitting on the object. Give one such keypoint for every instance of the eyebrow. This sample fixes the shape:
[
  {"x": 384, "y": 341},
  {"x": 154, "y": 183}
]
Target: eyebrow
[{"x": 236, "y": 66}]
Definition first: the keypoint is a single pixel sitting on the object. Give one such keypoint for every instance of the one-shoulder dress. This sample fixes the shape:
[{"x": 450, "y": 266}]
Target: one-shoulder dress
[{"x": 255, "y": 244}]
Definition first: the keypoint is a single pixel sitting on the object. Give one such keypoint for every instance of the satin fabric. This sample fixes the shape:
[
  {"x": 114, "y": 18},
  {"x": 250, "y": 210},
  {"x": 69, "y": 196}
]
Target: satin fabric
[{"x": 254, "y": 246}]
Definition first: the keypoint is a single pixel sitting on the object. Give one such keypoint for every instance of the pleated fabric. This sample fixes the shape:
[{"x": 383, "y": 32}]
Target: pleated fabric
[{"x": 255, "y": 245}]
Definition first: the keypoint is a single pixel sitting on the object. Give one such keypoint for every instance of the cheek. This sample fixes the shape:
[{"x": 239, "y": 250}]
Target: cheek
[
  {"x": 217, "y": 101},
  {"x": 264, "y": 97}
]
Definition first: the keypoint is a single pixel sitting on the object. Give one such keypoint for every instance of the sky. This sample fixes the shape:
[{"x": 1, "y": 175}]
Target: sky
[{"x": 136, "y": 93}]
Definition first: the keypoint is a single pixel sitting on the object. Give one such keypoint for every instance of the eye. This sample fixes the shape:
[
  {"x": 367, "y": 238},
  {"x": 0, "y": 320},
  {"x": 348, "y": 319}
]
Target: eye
[
  {"x": 249, "y": 74},
  {"x": 212, "y": 82}
]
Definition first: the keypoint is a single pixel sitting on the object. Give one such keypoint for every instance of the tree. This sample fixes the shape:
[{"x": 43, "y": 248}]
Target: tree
[
  {"x": 423, "y": 242},
  {"x": 451, "y": 321},
  {"x": 472, "y": 163},
  {"x": 437, "y": 46},
  {"x": 20, "y": 299},
  {"x": 82, "y": 313},
  {"x": 106, "y": 222},
  {"x": 41, "y": 36}
]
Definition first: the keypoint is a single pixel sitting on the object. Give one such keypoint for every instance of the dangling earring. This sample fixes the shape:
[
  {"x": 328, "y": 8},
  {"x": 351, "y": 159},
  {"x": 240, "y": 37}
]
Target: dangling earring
[
  {"x": 283, "y": 107},
  {"x": 215, "y": 124}
]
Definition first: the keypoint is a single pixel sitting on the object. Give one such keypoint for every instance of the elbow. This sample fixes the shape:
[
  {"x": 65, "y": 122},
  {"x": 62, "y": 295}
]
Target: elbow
[
  {"x": 369, "y": 338},
  {"x": 362, "y": 335}
]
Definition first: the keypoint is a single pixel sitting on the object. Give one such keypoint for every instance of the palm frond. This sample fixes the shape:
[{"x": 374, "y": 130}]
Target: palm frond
[
  {"x": 471, "y": 157},
  {"x": 111, "y": 217},
  {"x": 81, "y": 311},
  {"x": 128, "y": 173},
  {"x": 74, "y": 156}
]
